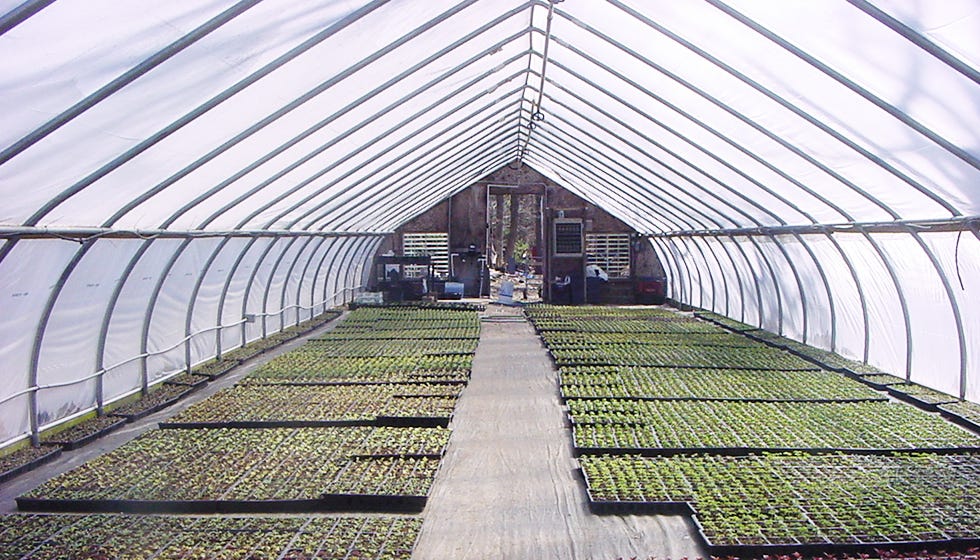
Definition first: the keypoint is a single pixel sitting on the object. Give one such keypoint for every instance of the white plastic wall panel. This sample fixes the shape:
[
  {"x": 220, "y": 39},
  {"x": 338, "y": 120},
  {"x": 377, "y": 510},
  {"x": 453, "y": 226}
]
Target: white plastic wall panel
[
  {"x": 205, "y": 305},
  {"x": 935, "y": 352},
  {"x": 818, "y": 303},
  {"x": 123, "y": 339},
  {"x": 70, "y": 339},
  {"x": 168, "y": 316},
  {"x": 847, "y": 300},
  {"x": 258, "y": 283},
  {"x": 894, "y": 70},
  {"x": 750, "y": 308},
  {"x": 888, "y": 347},
  {"x": 278, "y": 283},
  {"x": 234, "y": 292},
  {"x": 26, "y": 279},
  {"x": 313, "y": 291},
  {"x": 959, "y": 256},
  {"x": 712, "y": 284}
]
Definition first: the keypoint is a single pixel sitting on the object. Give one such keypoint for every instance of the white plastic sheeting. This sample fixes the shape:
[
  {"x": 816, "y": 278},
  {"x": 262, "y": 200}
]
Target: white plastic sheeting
[{"x": 809, "y": 166}]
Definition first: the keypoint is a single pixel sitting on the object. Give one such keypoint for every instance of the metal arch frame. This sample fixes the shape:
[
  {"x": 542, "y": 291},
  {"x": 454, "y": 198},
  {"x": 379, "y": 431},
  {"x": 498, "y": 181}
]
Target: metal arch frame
[
  {"x": 728, "y": 109},
  {"x": 900, "y": 291},
  {"x": 303, "y": 279},
  {"x": 689, "y": 117},
  {"x": 667, "y": 261},
  {"x": 724, "y": 279},
  {"x": 324, "y": 147},
  {"x": 799, "y": 282},
  {"x": 627, "y": 181},
  {"x": 490, "y": 135},
  {"x": 409, "y": 167},
  {"x": 667, "y": 203},
  {"x": 665, "y": 149},
  {"x": 22, "y": 13},
  {"x": 335, "y": 251},
  {"x": 317, "y": 274},
  {"x": 273, "y": 274},
  {"x": 124, "y": 79},
  {"x": 202, "y": 109},
  {"x": 915, "y": 37},
  {"x": 459, "y": 129},
  {"x": 479, "y": 154},
  {"x": 251, "y": 282},
  {"x": 799, "y": 285},
  {"x": 758, "y": 289},
  {"x": 681, "y": 189},
  {"x": 692, "y": 181},
  {"x": 954, "y": 305},
  {"x": 899, "y": 115},
  {"x": 322, "y": 87},
  {"x": 192, "y": 302},
  {"x": 731, "y": 111},
  {"x": 345, "y": 260},
  {"x": 224, "y": 293},
  {"x": 487, "y": 161},
  {"x": 367, "y": 250},
  {"x": 826, "y": 287},
  {"x": 824, "y": 127},
  {"x": 322, "y": 190},
  {"x": 861, "y": 296}
]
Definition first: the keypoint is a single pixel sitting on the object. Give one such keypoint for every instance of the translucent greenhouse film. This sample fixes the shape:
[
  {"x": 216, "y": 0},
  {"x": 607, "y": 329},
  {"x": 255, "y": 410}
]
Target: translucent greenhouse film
[{"x": 181, "y": 178}]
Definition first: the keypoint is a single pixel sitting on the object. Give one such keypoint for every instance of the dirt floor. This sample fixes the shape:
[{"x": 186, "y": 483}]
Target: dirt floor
[{"x": 508, "y": 487}]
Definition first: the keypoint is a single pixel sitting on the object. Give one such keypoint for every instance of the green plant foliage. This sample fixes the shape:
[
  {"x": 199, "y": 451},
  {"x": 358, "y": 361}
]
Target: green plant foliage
[
  {"x": 628, "y": 354},
  {"x": 700, "y": 424},
  {"x": 795, "y": 498},
  {"x": 249, "y": 464},
  {"x": 309, "y": 364},
  {"x": 626, "y": 381},
  {"x": 368, "y": 348},
  {"x": 964, "y": 409},
  {"x": 272, "y": 403},
  {"x": 50, "y": 537}
]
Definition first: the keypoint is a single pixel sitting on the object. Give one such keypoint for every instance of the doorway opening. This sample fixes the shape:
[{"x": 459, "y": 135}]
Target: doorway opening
[{"x": 515, "y": 244}]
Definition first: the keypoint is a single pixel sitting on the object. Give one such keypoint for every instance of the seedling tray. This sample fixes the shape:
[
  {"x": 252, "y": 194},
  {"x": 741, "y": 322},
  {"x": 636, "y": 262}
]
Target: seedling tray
[
  {"x": 325, "y": 503},
  {"x": 956, "y": 418},
  {"x": 258, "y": 424},
  {"x": 748, "y": 451},
  {"x": 69, "y": 445},
  {"x": 218, "y": 371},
  {"x": 51, "y": 455}
]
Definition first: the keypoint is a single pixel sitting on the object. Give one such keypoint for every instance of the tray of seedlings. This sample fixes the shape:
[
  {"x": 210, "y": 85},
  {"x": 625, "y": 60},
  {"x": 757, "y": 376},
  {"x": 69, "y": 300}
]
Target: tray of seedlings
[
  {"x": 921, "y": 396},
  {"x": 17, "y": 461},
  {"x": 309, "y": 365},
  {"x": 57, "y": 536},
  {"x": 253, "y": 471},
  {"x": 964, "y": 413},
  {"x": 188, "y": 380},
  {"x": 83, "y": 432},
  {"x": 670, "y": 427},
  {"x": 715, "y": 384},
  {"x": 216, "y": 368},
  {"x": 760, "y": 358},
  {"x": 368, "y": 348},
  {"x": 160, "y": 397},
  {"x": 879, "y": 381},
  {"x": 726, "y": 322},
  {"x": 559, "y": 339},
  {"x": 267, "y": 406},
  {"x": 783, "y": 503}
]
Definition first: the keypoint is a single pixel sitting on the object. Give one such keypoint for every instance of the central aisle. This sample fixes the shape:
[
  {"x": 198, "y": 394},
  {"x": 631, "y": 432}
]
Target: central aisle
[{"x": 508, "y": 487}]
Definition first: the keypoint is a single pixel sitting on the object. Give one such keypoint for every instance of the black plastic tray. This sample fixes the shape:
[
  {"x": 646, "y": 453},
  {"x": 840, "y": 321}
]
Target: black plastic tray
[
  {"x": 325, "y": 503},
  {"x": 31, "y": 465},
  {"x": 69, "y": 445}
]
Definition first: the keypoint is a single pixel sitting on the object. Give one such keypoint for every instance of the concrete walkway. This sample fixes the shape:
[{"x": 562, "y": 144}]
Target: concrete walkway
[{"x": 508, "y": 487}]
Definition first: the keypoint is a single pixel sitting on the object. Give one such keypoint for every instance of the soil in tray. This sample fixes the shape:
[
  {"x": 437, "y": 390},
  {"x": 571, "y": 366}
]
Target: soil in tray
[
  {"x": 163, "y": 395},
  {"x": 84, "y": 432},
  {"x": 26, "y": 458}
]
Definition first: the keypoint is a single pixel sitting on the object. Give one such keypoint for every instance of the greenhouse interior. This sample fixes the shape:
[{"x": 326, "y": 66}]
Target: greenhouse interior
[{"x": 432, "y": 279}]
